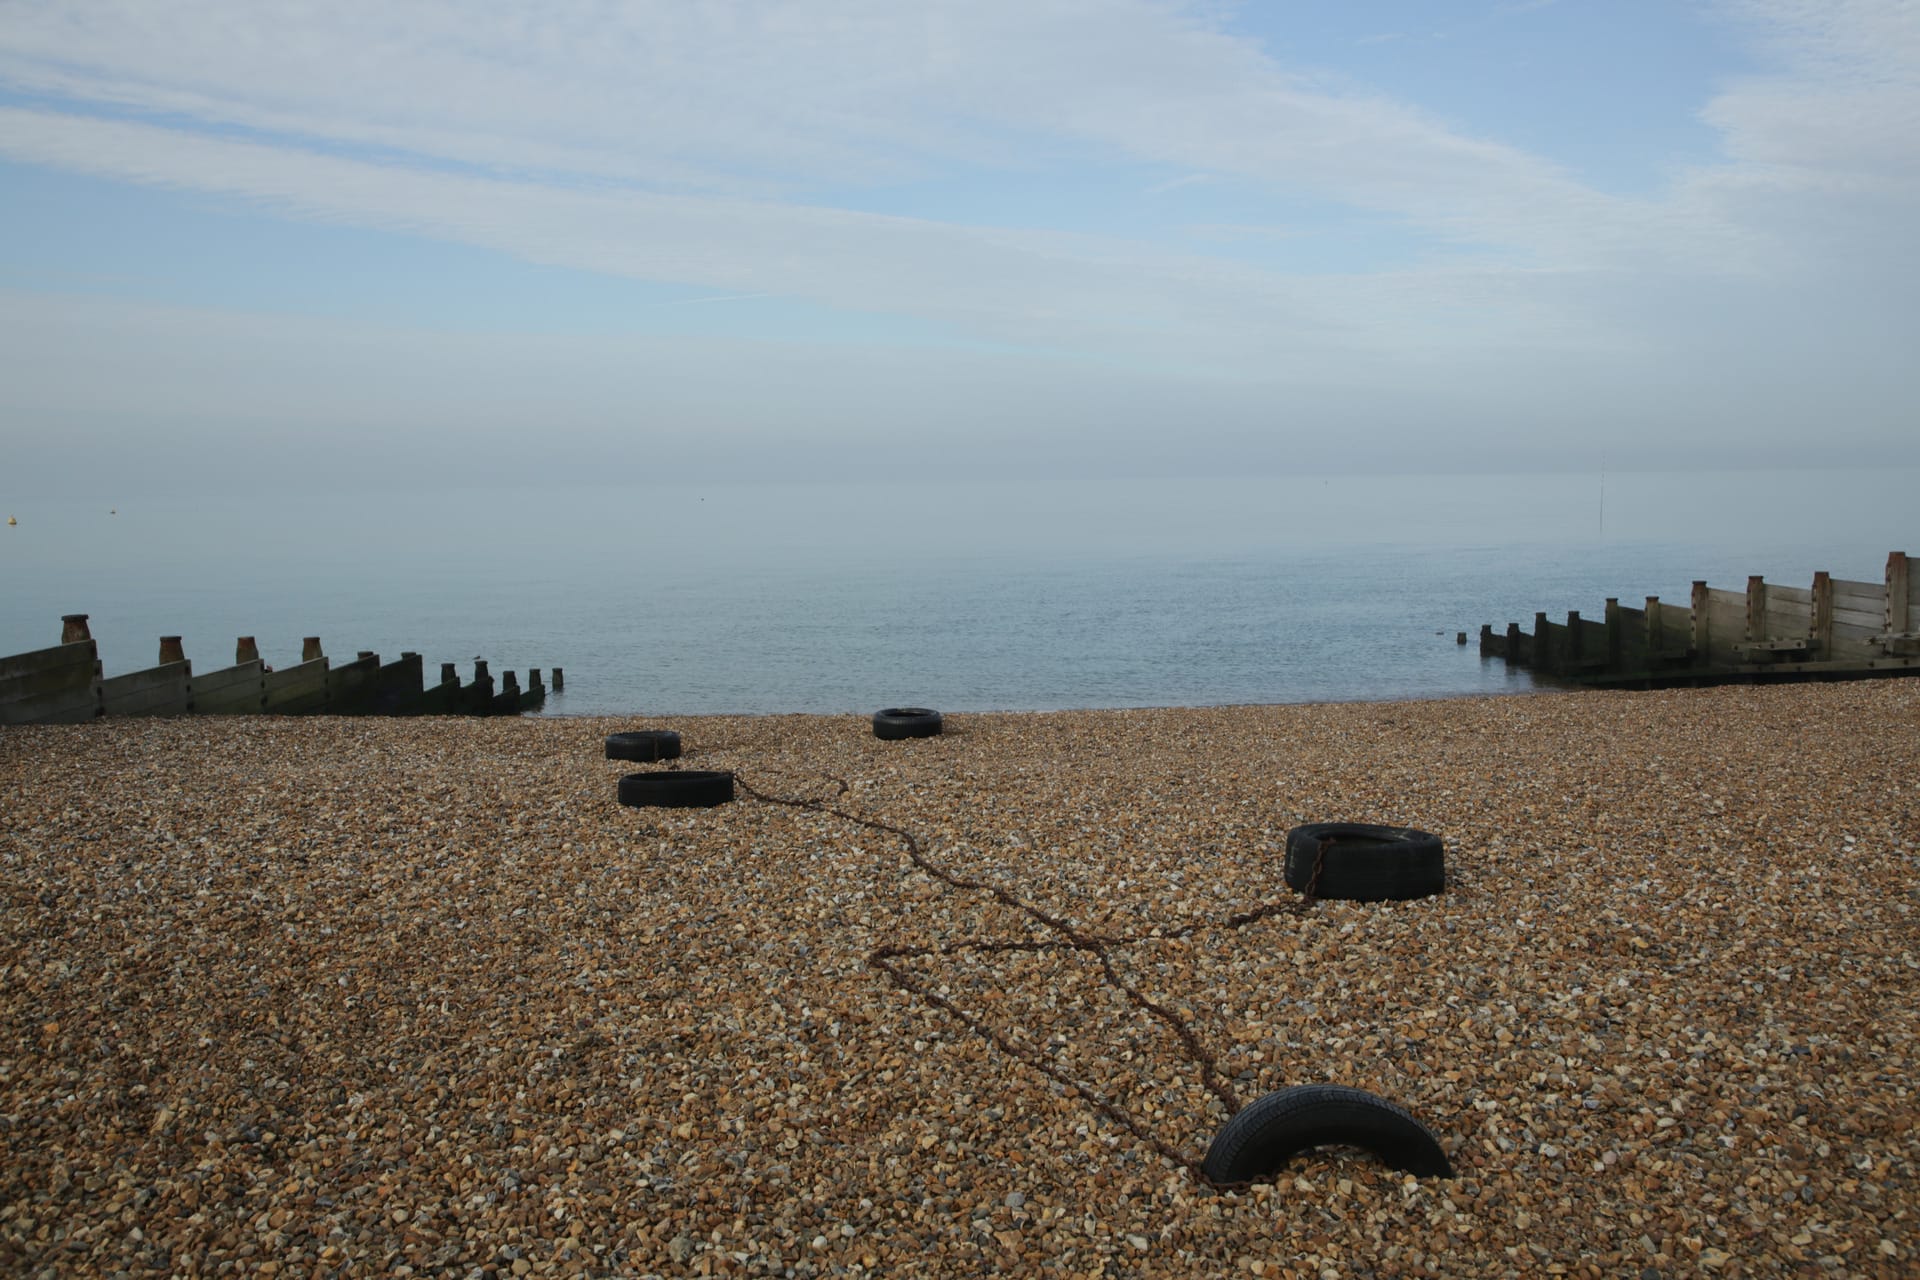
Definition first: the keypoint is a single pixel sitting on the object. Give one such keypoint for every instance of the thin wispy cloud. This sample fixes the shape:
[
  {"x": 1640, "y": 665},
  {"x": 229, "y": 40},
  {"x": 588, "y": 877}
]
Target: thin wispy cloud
[{"x": 1155, "y": 188}]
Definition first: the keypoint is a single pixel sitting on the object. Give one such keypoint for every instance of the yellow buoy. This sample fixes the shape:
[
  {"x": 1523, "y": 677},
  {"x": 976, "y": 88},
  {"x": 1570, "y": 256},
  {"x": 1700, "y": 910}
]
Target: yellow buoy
[{"x": 11, "y": 520}]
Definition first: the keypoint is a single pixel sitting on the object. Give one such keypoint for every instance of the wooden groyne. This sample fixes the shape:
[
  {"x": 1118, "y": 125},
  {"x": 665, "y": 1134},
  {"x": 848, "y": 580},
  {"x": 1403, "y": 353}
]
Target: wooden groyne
[
  {"x": 1832, "y": 629},
  {"x": 63, "y": 685}
]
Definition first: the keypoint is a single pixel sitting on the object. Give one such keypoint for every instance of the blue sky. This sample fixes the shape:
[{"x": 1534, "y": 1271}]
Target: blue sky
[{"x": 854, "y": 237}]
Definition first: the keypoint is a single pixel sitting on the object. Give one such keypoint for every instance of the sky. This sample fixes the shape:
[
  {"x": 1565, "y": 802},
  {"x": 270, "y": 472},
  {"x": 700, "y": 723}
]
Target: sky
[{"x": 260, "y": 242}]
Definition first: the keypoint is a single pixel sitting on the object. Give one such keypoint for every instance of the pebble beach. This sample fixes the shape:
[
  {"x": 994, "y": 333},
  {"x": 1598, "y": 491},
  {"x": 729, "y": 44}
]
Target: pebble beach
[{"x": 344, "y": 997}]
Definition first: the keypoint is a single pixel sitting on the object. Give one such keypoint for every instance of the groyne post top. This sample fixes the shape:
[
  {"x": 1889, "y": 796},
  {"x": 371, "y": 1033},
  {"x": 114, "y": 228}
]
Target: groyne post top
[
  {"x": 509, "y": 681},
  {"x": 170, "y": 650},
  {"x": 245, "y": 651},
  {"x": 1899, "y": 590},
  {"x": 559, "y": 680},
  {"x": 449, "y": 674},
  {"x": 73, "y": 628},
  {"x": 310, "y": 649},
  {"x": 479, "y": 670}
]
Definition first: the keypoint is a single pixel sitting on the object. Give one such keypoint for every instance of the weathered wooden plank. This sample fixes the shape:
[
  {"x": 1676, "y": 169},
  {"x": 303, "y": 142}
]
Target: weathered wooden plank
[
  {"x": 28, "y": 681},
  {"x": 1859, "y": 595},
  {"x": 162, "y": 690},
  {"x": 32, "y": 684},
  {"x": 1727, "y": 621},
  {"x": 1878, "y": 663},
  {"x": 297, "y": 689},
  {"x": 1549, "y": 644},
  {"x": 1736, "y": 600},
  {"x": 232, "y": 690},
  {"x": 247, "y": 674},
  {"x": 60, "y": 685},
  {"x": 1726, "y": 616},
  {"x": 1788, "y": 620},
  {"x": 1875, "y": 618},
  {"x": 1777, "y": 594},
  {"x": 164, "y": 676},
  {"x": 351, "y": 685},
  {"x": 39, "y": 661},
  {"x": 64, "y": 706},
  {"x": 1626, "y": 636}
]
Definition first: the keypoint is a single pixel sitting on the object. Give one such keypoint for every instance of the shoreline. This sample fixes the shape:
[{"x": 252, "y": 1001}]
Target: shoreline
[
  {"x": 1538, "y": 687},
  {"x": 342, "y": 995}
]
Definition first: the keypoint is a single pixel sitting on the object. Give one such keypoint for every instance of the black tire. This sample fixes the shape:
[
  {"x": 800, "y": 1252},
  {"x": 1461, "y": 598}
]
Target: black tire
[
  {"x": 644, "y": 744},
  {"x": 677, "y": 789},
  {"x": 1366, "y": 863},
  {"x": 906, "y": 722},
  {"x": 1271, "y": 1130}
]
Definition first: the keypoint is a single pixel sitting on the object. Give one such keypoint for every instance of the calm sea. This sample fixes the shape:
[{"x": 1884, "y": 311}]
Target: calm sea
[{"x": 965, "y": 597}]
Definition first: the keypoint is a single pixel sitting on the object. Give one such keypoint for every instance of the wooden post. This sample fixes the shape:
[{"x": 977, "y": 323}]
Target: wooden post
[
  {"x": 1756, "y": 607},
  {"x": 1899, "y": 592},
  {"x": 1822, "y": 631},
  {"x": 73, "y": 628},
  {"x": 170, "y": 650},
  {"x": 1576, "y": 636},
  {"x": 559, "y": 681},
  {"x": 1701, "y": 653},
  {"x": 1512, "y": 655},
  {"x": 310, "y": 649},
  {"x": 1656, "y": 639},
  {"x": 1542, "y": 644},
  {"x": 533, "y": 681},
  {"x": 510, "y": 682},
  {"x": 1459, "y": 637},
  {"x": 479, "y": 694},
  {"x": 245, "y": 651},
  {"x": 1615, "y": 641}
]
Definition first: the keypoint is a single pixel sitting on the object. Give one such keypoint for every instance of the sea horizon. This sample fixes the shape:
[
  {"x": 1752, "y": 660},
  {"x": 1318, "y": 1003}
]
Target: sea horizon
[{"x": 1030, "y": 595}]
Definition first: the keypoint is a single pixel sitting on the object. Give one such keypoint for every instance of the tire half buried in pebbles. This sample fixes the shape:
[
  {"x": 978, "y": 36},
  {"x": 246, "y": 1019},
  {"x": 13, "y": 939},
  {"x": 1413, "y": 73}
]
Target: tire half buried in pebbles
[
  {"x": 1360, "y": 862},
  {"x": 894, "y": 723},
  {"x": 1269, "y": 1131},
  {"x": 677, "y": 789},
  {"x": 644, "y": 744}
]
